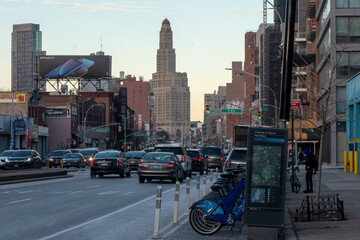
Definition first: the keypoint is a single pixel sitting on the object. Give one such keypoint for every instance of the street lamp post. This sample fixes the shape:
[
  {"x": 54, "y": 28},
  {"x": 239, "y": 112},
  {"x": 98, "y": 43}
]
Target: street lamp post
[
  {"x": 260, "y": 87},
  {"x": 84, "y": 125}
]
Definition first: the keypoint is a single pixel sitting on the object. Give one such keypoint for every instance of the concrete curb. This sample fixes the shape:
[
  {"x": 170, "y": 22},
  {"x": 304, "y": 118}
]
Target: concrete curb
[
  {"x": 288, "y": 227},
  {"x": 35, "y": 179}
]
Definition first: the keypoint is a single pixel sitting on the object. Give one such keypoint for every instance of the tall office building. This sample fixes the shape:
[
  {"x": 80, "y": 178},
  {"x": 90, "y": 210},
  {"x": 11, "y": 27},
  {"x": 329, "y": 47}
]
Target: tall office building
[
  {"x": 26, "y": 46},
  {"x": 170, "y": 88}
]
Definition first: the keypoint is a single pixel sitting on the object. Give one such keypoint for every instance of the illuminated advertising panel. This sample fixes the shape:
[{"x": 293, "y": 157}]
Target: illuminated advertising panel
[
  {"x": 92, "y": 66},
  {"x": 266, "y": 175}
]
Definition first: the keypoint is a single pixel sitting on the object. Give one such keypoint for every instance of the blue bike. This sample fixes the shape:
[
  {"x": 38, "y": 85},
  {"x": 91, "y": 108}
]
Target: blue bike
[{"x": 222, "y": 206}]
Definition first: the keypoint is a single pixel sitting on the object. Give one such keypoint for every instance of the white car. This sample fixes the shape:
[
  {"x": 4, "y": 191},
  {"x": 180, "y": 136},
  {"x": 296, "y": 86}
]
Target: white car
[
  {"x": 180, "y": 152},
  {"x": 236, "y": 158},
  {"x": 4, "y": 156}
]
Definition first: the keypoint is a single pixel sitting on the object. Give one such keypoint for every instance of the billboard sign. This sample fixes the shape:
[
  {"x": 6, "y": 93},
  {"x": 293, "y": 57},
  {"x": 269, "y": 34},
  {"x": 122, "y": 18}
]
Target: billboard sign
[
  {"x": 92, "y": 66},
  {"x": 18, "y": 98},
  {"x": 57, "y": 113}
]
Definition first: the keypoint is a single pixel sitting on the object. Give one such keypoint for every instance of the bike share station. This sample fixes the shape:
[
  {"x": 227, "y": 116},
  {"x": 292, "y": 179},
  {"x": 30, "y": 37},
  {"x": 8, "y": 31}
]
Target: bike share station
[{"x": 265, "y": 182}]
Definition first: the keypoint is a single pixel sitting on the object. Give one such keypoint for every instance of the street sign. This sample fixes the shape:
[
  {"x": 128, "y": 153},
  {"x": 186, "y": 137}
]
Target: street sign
[
  {"x": 265, "y": 109},
  {"x": 295, "y": 104},
  {"x": 103, "y": 130},
  {"x": 140, "y": 134},
  {"x": 229, "y": 110}
]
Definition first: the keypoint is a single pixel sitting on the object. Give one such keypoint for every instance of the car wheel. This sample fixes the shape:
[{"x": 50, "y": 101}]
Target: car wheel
[
  {"x": 182, "y": 178},
  {"x": 92, "y": 175},
  {"x": 189, "y": 174},
  {"x": 141, "y": 180},
  {"x": 128, "y": 174}
]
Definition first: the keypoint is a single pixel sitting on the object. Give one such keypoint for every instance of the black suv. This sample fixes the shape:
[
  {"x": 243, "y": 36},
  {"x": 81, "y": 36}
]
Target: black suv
[
  {"x": 215, "y": 156},
  {"x": 56, "y": 157},
  {"x": 24, "y": 159},
  {"x": 199, "y": 162}
]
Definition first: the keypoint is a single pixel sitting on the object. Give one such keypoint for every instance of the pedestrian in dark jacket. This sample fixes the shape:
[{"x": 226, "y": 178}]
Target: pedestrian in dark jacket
[{"x": 310, "y": 168}]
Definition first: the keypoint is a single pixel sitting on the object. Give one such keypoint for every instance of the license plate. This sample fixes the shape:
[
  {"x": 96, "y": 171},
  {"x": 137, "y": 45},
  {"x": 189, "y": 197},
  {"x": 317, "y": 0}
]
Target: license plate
[
  {"x": 16, "y": 165},
  {"x": 104, "y": 164},
  {"x": 56, "y": 162},
  {"x": 155, "y": 167},
  {"x": 68, "y": 163},
  {"x": 132, "y": 161}
]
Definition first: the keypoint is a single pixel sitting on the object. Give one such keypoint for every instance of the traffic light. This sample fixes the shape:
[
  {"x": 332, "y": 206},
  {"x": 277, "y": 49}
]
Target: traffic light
[
  {"x": 207, "y": 108},
  {"x": 259, "y": 115}
]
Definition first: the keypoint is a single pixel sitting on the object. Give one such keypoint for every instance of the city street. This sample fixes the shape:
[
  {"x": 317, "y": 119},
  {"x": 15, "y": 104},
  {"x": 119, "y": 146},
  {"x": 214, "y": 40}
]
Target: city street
[{"x": 85, "y": 208}]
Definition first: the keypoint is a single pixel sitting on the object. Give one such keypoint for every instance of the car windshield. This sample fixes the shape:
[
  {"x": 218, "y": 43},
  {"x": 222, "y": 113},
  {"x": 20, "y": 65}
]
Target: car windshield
[
  {"x": 161, "y": 157},
  {"x": 212, "y": 151},
  {"x": 177, "y": 151},
  {"x": 193, "y": 154},
  {"x": 7, "y": 154},
  {"x": 59, "y": 153},
  {"x": 238, "y": 155},
  {"x": 22, "y": 154},
  {"x": 107, "y": 155},
  {"x": 71, "y": 155},
  {"x": 134, "y": 154},
  {"x": 87, "y": 152}
]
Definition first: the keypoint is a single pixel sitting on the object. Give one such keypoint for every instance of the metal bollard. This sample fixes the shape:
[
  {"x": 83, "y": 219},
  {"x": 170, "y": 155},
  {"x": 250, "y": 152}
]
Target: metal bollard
[
  {"x": 62, "y": 164},
  {"x": 176, "y": 206},
  {"x": 211, "y": 177},
  {"x": 187, "y": 210},
  {"x": 204, "y": 184},
  {"x": 198, "y": 187},
  {"x": 217, "y": 173},
  {"x": 157, "y": 212}
]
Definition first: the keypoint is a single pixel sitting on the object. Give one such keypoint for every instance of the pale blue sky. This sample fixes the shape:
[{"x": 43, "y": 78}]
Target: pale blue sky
[{"x": 208, "y": 35}]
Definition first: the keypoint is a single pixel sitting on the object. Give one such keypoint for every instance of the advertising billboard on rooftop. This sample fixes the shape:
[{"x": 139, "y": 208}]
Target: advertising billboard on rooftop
[{"x": 91, "y": 66}]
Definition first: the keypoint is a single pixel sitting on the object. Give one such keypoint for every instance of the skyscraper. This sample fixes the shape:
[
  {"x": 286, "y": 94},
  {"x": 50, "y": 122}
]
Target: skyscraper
[
  {"x": 26, "y": 45},
  {"x": 170, "y": 88}
]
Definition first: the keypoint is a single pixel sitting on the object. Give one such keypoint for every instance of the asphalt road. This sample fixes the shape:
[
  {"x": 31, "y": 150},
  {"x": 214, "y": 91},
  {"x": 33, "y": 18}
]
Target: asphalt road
[{"x": 85, "y": 208}]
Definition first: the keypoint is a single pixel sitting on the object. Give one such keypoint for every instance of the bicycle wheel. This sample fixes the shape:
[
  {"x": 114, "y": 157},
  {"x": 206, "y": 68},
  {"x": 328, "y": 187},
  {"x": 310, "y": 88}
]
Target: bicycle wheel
[
  {"x": 295, "y": 183},
  {"x": 200, "y": 224}
]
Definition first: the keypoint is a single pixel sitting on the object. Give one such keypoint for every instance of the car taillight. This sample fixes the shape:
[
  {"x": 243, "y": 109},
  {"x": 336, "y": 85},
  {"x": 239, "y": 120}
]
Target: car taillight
[
  {"x": 222, "y": 159},
  {"x": 117, "y": 162},
  {"x": 141, "y": 165},
  {"x": 183, "y": 158},
  {"x": 92, "y": 163},
  {"x": 170, "y": 166},
  {"x": 198, "y": 159},
  {"x": 228, "y": 164}
]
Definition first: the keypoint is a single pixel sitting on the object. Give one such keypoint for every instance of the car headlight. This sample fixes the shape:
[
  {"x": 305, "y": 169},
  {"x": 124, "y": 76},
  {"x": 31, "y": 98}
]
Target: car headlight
[
  {"x": 29, "y": 159},
  {"x": 90, "y": 158},
  {"x": 7, "y": 160},
  {"x": 51, "y": 159}
]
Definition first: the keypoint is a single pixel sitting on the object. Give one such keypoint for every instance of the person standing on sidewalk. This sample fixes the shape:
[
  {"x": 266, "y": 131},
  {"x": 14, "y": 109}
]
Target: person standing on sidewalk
[{"x": 310, "y": 168}]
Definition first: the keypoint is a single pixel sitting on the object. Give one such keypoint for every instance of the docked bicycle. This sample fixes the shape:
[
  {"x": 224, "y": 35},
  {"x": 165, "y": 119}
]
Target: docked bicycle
[{"x": 224, "y": 205}]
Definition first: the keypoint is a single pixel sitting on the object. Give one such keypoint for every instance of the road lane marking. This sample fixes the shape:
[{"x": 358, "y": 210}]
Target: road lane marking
[
  {"x": 93, "y": 186},
  {"x": 102, "y": 217},
  {"x": 108, "y": 193},
  {"x": 5, "y": 192},
  {"x": 75, "y": 192},
  {"x": 22, "y": 200},
  {"x": 29, "y": 191}
]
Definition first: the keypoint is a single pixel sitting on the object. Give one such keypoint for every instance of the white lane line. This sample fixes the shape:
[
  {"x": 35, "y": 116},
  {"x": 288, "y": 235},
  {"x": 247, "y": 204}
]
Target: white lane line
[
  {"x": 93, "y": 186},
  {"x": 68, "y": 191},
  {"x": 175, "y": 228},
  {"x": 29, "y": 191},
  {"x": 108, "y": 193},
  {"x": 75, "y": 192},
  {"x": 129, "y": 180},
  {"x": 22, "y": 200},
  {"x": 5, "y": 192},
  {"x": 102, "y": 217}
]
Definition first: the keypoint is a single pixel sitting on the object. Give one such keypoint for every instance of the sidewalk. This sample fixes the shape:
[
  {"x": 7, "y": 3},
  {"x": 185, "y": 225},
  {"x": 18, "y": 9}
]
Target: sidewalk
[
  {"x": 334, "y": 181},
  {"x": 25, "y": 175}
]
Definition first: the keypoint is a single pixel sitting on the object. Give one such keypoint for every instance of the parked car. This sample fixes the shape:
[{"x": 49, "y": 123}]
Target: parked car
[
  {"x": 181, "y": 154},
  {"x": 24, "y": 159},
  {"x": 110, "y": 162},
  {"x": 4, "y": 156},
  {"x": 74, "y": 160},
  {"x": 46, "y": 159},
  {"x": 215, "y": 156},
  {"x": 198, "y": 161},
  {"x": 89, "y": 154},
  {"x": 236, "y": 158},
  {"x": 56, "y": 157},
  {"x": 134, "y": 157},
  {"x": 160, "y": 165}
]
